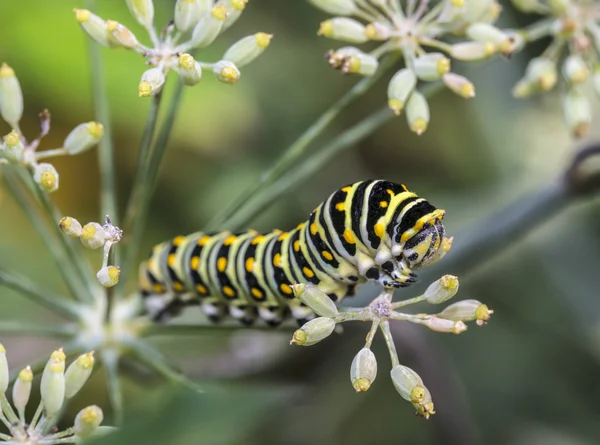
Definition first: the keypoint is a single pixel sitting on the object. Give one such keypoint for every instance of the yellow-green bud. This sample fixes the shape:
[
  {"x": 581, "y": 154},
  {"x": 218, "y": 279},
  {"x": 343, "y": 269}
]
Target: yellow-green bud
[
  {"x": 78, "y": 373},
  {"x": 363, "y": 370},
  {"x": 575, "y": 69},
  {"x": 486, "y": 33},
  {"x": 313, "y": 331},
  {"x": 13, "y": 148},
  {"x": 529, "y": 5},
  {"x": 399, "y": 89},
  {"x": 208, "y": 28},
  {"x": 559, "y": 7},
  {"x": 247, "y": 49},
  {"x": 142, "y": 10},
  {"x": 417, "y": 112},
  {"x": 190, "y": 71},
  {"x": 360, "y": 63},
  {"x": 108, "y": 276},
  {"x": 405, "y": 380},
  {"x": 234, "y": 11},
  {"x": 95, "y": 27},
  {"x": 467, "y": 310},
  {"x": 344, "y": 29},
  {"x": 46, "y": 176},
  {"x": 471, "y": 51},
  {"x": 377, "y": 31},
  {"x": 11, "y": 96},
  {"x": 152, "y": 82},
  {"x": 442, "y": 289},
  {"x": 226, "y": 72},
  {"x": 578, "y": 113},
  {"x": 459, "y": 85},
  {"x": 122, "y": 35},
  {"x": 83, "y": 137},
  {"x": 4, "y": 372},
  {"x": 541, "y": 72},
  {"x": 188, "y": 13},
  {"x": 52, "y": 387},
  {"x": 22, "y": 389},
  {"x": 431, "y": 66},
  {"x": 445, "y": 325},
  {"x": 336, "y": 7},
  {"x": 92, "y": 235},
  {"x": 70, "y": 227},
  {"x": 425, "y": 406},
  {"x": 87, "y": 421},
  {"x": 315, "y": 299}
]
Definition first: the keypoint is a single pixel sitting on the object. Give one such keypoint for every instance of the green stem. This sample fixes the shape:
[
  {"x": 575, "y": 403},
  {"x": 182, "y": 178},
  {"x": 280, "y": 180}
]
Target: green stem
[
  {"x": 409, "y": 301},
  {"x": 389, "y": 340},
  {"x": 43, "y": 297},
  {"x": 110, "y": 362},
  {"x": 21, "y": 328},
  {"x": 295, "y": 151}
]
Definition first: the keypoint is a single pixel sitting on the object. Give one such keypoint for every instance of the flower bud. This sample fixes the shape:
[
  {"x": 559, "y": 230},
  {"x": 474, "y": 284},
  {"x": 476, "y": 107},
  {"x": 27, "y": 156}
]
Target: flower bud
[
  {"x": 152, "y": 82},
  {"x": 467, "y": 310},
  {"x": 363, "y": 370},
  {"x": 484, "y": 32},
  {"x": 83, "y": 137},
  {"x": 95, "y": 27},
  {"x": 377, "y": 31},
  {"x": 541, "y": 72},
  {"x": 528, "y": 5},
  {"x": 11, "y": 96},
  {"x": 226, "y": 72},
  {"x": 88, "y": 420},
  {"x": 313, "y": 331},
  {"x": 442, "y": 289},
  {"x": 22, "y": 389},
  {"x": 578, "y": 113},
  {"x": 209, "y": 26},
  {"x": 13, "y": 149},
  {"x": 575, "y": 69},
  {"x": 78, "y": 373},
  {"x": 247, "y": 49},
  {"x": 446, "y": 326},
  {"x": 190, "y": 71},
  {"x": 431, "y": 66},
  {"x": 234, "y": 11},
  {"x": 188, "y": 13},
  {"x": 315, "y": 299},
  {"x": 122, "y": 35},
  {"x": 336, "y": 7},
  {"x": 70, "y": 227},
  {"x": 459, "y": 85},
  {"x": 142, "y": 10},
  {"x": 417, "y": 112},
  {"x": 559, "y": 7},
  {"x": 471, "y": 51},
  {"x": 52, "y": 387},
  {"x": 408, "y": 383},
  {"x": 344, "y": 29},
  {"x": 92, "y": 235},
  {"x": 4, "y": 372},
  {"x": 399, "y": 88},
  {"x": 108, "y": 276},
  {"x": 46, "y": 176}
]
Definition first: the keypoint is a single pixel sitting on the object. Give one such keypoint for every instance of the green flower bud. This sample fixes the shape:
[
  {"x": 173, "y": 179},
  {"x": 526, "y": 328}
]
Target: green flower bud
[
  {"x": 467, "y": 310},
  {"x": 190, "y": 71},
  {"x": 471, "y": 51},
  {"x": 417, "y": 112},
  {"x": 108, "y": 276},
  {"x": 442, "y": 289},
  {"x": 431, "y": 66},
  {"x": 70, "y": 227},
  {"x": 142, "y": 10},
  {"x": 87, "y": 421},
  {"x": 475, "y": 10},
  {"x": 529, "y": 5},
  {"x": 83, "y": 137},
  {"x": 459, "y": 85},
  {"x": 444, "y": 325},
  {"x": 152, "y": 82},
  {"x": 405, "y": 381},
  {"x": 578, "y": 113},
  {"x": 541, "y": 72},
  {"x": 399, "y": 89},
  {"x": 315, "y": 299},
  {"x": 486, "y": 33},
  {"x": 247, "y": 49},
  {"x": 13, "y": 148},
  {"x": 575, "y": 69},
  {"x": 234, "y": 11},
  {"x": 11, "y": 96},
  {"x": 78, "y": 373},
  {"x": 4, "y": 372},
  {"x": 52, "y": 387},
  {"x": 209, "y": 27},
  {"x": 559, "y": 7},
  {"x": 46, "y": 176},
  {"x": 351, "y": 60},
  {"x": 336, "y": 7},
  {"x": 122, "y": 35},
  {"x": 226, "y": 72},
  {"x": 344, "y": 29},
  {"x": 95, "y": 27},
  {"x": 92, "y": 235},
  {"x": 424, "y": 407},
  {"x": 22, "y": 390},
  {"x": 188, "y": 13},
  {"x": 363, "y": 370},
  {"x": 313, "y": 331},
  {"x": 377, "y": 31}
]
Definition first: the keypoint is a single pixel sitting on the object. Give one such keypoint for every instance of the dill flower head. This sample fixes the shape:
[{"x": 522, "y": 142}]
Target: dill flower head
[
  {"x": 196, "y": 24},
  {"x": 416, "y": 33}
]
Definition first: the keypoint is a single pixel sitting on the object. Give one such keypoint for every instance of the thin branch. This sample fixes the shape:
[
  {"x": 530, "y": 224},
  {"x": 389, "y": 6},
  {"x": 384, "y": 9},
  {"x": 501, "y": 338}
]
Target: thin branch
[
  {"x": 30, "y": 328},
  {"x": 110, "y": 362}
]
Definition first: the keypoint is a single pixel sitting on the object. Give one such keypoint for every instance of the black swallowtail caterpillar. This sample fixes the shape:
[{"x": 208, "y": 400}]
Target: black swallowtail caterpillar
[{"x": 369, "y": 230}]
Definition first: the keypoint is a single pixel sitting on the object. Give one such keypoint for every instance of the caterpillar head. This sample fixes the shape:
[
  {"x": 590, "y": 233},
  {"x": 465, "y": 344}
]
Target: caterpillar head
[{"x": 428, "y": 245}]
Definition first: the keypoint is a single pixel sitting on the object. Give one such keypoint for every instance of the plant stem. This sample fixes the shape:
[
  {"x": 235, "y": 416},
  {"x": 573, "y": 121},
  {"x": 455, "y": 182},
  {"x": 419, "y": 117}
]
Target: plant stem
[
  {"x": 21, "y": 328},
  {"x": 110, "y": 361},
  {"x": 43, "y": 297},
  {"x": 389, "y": 339},
  {"x": 294, "y": 152}
]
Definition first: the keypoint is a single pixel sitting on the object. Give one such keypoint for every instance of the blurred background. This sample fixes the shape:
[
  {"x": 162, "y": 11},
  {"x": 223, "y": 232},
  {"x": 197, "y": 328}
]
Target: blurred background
[{"x": 529, "y": 377}]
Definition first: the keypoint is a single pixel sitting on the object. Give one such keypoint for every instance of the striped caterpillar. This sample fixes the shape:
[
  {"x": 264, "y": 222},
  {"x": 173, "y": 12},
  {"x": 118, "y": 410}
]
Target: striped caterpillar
[{"x": 370, "y": 230}]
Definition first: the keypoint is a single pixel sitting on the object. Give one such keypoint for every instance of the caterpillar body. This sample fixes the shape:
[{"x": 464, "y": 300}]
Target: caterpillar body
[{"x": 370, "y": 230}]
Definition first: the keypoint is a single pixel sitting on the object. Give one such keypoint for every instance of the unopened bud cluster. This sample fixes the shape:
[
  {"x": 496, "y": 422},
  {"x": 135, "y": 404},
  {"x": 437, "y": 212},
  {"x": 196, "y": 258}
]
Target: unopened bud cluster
[
  {"x": 572, "y": 56},
  {"x": 93, "y": 236},
  {"x": 58, "y": 384},
  {"x": 363, "y": 369},
  {"x": 196, "y": 25},
  {"x": 14, "y": 148},
  {"x": 410, "y": 29}
]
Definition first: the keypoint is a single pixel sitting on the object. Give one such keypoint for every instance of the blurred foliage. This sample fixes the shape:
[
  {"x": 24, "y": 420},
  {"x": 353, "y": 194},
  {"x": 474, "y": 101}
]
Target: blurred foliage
[{"x": 530, "y": 377}]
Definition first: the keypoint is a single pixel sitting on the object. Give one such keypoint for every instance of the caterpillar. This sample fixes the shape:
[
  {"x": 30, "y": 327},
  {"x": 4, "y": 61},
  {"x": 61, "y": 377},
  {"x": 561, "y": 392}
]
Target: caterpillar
[{"x": 371, "y": 230}]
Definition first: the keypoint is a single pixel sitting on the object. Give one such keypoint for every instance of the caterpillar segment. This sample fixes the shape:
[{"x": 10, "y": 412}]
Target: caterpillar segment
[{"x": 370, "y": 230}]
